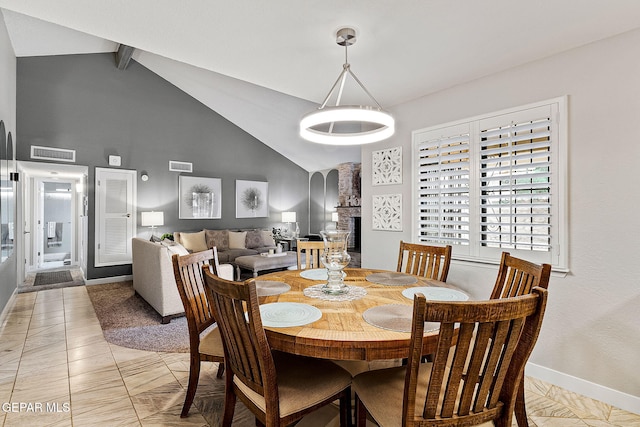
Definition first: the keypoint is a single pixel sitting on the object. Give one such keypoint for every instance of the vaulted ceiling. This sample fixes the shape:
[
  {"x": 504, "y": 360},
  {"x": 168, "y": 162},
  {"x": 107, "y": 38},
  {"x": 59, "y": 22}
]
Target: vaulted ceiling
[{"x": 264, "y": 64}]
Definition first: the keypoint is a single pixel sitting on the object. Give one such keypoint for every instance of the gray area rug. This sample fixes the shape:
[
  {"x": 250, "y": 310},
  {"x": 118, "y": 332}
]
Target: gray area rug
[
  {"x": 53, "y": 277},
  {"x": 129, "y": 321}
]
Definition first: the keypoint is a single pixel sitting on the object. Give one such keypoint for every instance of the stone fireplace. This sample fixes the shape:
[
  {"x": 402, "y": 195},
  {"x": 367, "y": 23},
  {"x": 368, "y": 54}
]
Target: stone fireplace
[{"x": 349, "y": 198}]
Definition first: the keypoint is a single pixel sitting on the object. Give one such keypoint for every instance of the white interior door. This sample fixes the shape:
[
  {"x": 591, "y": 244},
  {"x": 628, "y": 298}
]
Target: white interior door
[{"x": 115, "y": 216}]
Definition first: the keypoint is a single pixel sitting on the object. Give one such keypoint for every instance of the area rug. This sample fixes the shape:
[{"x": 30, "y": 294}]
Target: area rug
[
  {"x": 53, "y": 277},
  {"x": 29, "y": 284},
  {"x": 129, "y": 321}
]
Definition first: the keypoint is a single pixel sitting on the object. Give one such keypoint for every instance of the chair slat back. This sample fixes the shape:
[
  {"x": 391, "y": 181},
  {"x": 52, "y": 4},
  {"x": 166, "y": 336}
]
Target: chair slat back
[
  {"x": 424, "y": 260},
  {"x": 518, "y": 277},
  {"x": 312, "y": 251},
  {"x": 187, "y": 270},
  {"x": 247, "y": 352},
  {"x": 482, "y": 349}
]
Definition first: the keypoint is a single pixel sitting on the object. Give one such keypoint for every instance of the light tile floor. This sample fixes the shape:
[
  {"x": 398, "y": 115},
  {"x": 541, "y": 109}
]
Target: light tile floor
[{"x": 56, "y": 369}]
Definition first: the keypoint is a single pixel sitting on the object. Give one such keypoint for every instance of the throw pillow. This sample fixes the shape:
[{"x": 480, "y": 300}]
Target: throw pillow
[
  {"x": 254, "y": 239},
  {"x": 194, "y": 242},
  {"x": 267, "y": 238},
  {"x": 237, "y": 239},
  {"x": 217, "y": 238}
]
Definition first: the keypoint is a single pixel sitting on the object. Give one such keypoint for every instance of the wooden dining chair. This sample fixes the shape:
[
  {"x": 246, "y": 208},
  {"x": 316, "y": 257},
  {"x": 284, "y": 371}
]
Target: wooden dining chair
[
  {"x": 279, "y": 388},
  {"x": 482, "y": 349},
  {"x": 309, "y": 254},
  {"x": 199, "y": 310},
  {"x": 518, "y": 277},
  {"x": 424, "y": 260}
]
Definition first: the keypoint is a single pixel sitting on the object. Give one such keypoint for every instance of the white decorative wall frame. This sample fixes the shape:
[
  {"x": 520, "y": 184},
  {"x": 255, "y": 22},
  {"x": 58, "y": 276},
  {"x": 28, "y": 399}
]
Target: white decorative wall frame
[
  {"x": 252, "y": 199},
  {"x": 386, "y": 166},
  {"x": 387, "y": 212},
  {"x": 200, "y": 198}
]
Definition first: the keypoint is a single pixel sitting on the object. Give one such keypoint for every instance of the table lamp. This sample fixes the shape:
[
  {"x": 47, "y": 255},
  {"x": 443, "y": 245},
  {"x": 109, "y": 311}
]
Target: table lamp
[
  {"x": 152, "y": 220},
  {"x": 288, "y": 218}
]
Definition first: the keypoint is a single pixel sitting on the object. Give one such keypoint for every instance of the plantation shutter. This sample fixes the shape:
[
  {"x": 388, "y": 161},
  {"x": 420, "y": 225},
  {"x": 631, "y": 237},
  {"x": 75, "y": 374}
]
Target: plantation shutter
[
  {"x": 515, "y": 181},
  {"x": 443, "y": 185}
]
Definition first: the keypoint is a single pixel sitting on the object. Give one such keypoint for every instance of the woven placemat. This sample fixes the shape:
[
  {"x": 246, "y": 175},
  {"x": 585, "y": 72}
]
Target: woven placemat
[
  {"x": 266, "y": 288},
  {"x": 392, "y": 279},
  {"x": 395, "y": 317}
]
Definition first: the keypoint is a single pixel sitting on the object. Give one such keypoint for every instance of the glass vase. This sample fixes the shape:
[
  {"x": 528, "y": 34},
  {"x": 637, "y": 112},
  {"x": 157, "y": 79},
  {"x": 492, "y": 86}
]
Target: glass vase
[{"x": 335, "y": 258}]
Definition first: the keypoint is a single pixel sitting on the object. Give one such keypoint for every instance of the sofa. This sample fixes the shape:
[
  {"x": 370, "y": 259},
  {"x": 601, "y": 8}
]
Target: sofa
[
  {"x": 231, "y": 244},
  {"x": 153, "y": 277}
]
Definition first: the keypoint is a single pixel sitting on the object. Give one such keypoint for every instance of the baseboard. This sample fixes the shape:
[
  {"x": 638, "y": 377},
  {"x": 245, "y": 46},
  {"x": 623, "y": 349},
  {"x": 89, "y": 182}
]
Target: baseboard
[
  {"x": 7, "y": 307},
  {"x": 586, "y": 388},
  {"x": 104, "y": 280}
]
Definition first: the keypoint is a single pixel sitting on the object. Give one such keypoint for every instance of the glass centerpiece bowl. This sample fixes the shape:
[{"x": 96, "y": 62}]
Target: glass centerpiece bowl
[{"x": 335, "y": 258}]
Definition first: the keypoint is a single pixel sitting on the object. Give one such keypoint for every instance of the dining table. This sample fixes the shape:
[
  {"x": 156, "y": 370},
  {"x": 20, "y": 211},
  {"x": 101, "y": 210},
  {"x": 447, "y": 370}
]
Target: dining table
[{"x": 351, "y": 327}]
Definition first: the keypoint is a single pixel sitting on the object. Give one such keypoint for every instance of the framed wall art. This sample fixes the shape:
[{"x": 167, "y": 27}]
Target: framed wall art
[
  {"x": 386, "y": 166},
  {"x": 251, "y": 199},
  {"x": 200, "y": 198},
  {"x": 387, "y": 212}
]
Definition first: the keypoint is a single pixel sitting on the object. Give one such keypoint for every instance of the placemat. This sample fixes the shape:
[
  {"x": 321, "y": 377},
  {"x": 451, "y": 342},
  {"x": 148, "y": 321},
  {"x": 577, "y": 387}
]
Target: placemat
[
  {"x": 435, "y": 293},
  {"x": 395, "y": 317},
  {"x": 353, "y": 293},
  {"x": 288, "y": 314},
  {"x": 314, "y": 274},
  {"x": 392, "y": 279},
  {"x": 266, "y": 288}
]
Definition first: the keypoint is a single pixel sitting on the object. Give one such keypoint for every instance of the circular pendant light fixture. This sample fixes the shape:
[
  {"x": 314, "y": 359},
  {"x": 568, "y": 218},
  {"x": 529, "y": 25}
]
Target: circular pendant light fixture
[{"x": 347, "y": 124}]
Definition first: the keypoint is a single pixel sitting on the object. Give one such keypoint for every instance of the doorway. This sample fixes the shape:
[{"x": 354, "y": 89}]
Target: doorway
[
  {"x": 55, "y": 224},
  {"x": 53, "y": 206}
]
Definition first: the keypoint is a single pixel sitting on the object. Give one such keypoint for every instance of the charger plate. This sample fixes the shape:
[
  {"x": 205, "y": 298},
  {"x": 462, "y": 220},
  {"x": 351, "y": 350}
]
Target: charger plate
[
  {"x": 315, "y": 274},
  {"x": 395, "y": 317},
  {"x": 267, "y": 287},
  {"x": 392, "y": 279},
  {"x": 436, "y": 294},
  {"x": 287, "y": 314}
]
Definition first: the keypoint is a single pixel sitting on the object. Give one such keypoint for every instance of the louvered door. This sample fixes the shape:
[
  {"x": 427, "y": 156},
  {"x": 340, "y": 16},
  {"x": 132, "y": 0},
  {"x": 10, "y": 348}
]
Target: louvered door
[{"x": 115, "y": 216}]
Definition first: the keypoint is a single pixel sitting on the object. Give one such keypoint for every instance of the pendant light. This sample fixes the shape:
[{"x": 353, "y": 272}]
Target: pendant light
[{"x": 347, "y": 124}]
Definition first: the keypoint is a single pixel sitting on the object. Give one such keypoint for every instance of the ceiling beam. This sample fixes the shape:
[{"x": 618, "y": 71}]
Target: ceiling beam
[{"x": 123, "y": 55}]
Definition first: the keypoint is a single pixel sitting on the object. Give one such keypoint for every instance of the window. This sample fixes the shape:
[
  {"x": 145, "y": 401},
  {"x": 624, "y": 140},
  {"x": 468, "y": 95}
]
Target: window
[{"x": 495, "y": 183}]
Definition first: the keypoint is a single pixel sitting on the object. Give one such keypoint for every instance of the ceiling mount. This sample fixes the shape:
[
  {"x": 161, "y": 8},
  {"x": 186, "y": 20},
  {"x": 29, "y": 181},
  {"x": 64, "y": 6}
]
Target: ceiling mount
[
  {"x": 347, "y": 124},
  {"x": 346, "y": 37}
]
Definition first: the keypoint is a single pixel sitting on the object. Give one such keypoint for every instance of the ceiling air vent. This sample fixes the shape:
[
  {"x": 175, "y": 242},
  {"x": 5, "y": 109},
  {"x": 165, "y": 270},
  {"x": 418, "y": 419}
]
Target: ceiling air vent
[
  {"x": 175, "y": 166},
  {"x": 55, "y": 154}
]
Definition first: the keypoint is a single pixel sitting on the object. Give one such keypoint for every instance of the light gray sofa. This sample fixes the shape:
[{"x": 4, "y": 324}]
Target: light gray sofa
[{"x": 153, "y": 277}]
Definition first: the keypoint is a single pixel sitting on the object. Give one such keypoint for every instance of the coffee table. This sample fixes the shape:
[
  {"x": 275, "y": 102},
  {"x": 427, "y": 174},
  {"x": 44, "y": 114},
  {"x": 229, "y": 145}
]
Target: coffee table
[{"x": 257, "y": 263}]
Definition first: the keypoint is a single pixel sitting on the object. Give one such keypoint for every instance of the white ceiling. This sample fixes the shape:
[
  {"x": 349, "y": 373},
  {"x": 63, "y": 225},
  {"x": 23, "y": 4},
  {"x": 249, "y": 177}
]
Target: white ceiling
[{"x": 263, "y": 64}]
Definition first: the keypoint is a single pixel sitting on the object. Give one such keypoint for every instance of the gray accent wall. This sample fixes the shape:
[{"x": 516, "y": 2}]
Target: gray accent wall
[{"x": 84, "y": 103}]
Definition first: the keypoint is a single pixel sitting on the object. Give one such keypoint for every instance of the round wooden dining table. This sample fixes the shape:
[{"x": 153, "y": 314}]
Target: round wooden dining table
[{"x": 342, "y": 333}]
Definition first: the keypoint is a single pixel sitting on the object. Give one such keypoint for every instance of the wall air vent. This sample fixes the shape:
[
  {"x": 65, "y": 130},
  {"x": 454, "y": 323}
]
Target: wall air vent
[
  {"x": 175, "y": 166},
  {"x": 54, "y": 154}
]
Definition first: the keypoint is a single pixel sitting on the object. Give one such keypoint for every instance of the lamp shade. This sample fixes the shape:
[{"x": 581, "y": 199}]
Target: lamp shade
[
  {"x": 152, "y": 219},
  {"x": 288, "y": 217}
]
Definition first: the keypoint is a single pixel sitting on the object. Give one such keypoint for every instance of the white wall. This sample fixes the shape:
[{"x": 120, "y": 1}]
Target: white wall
[{"x": 591, "y": 332}]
